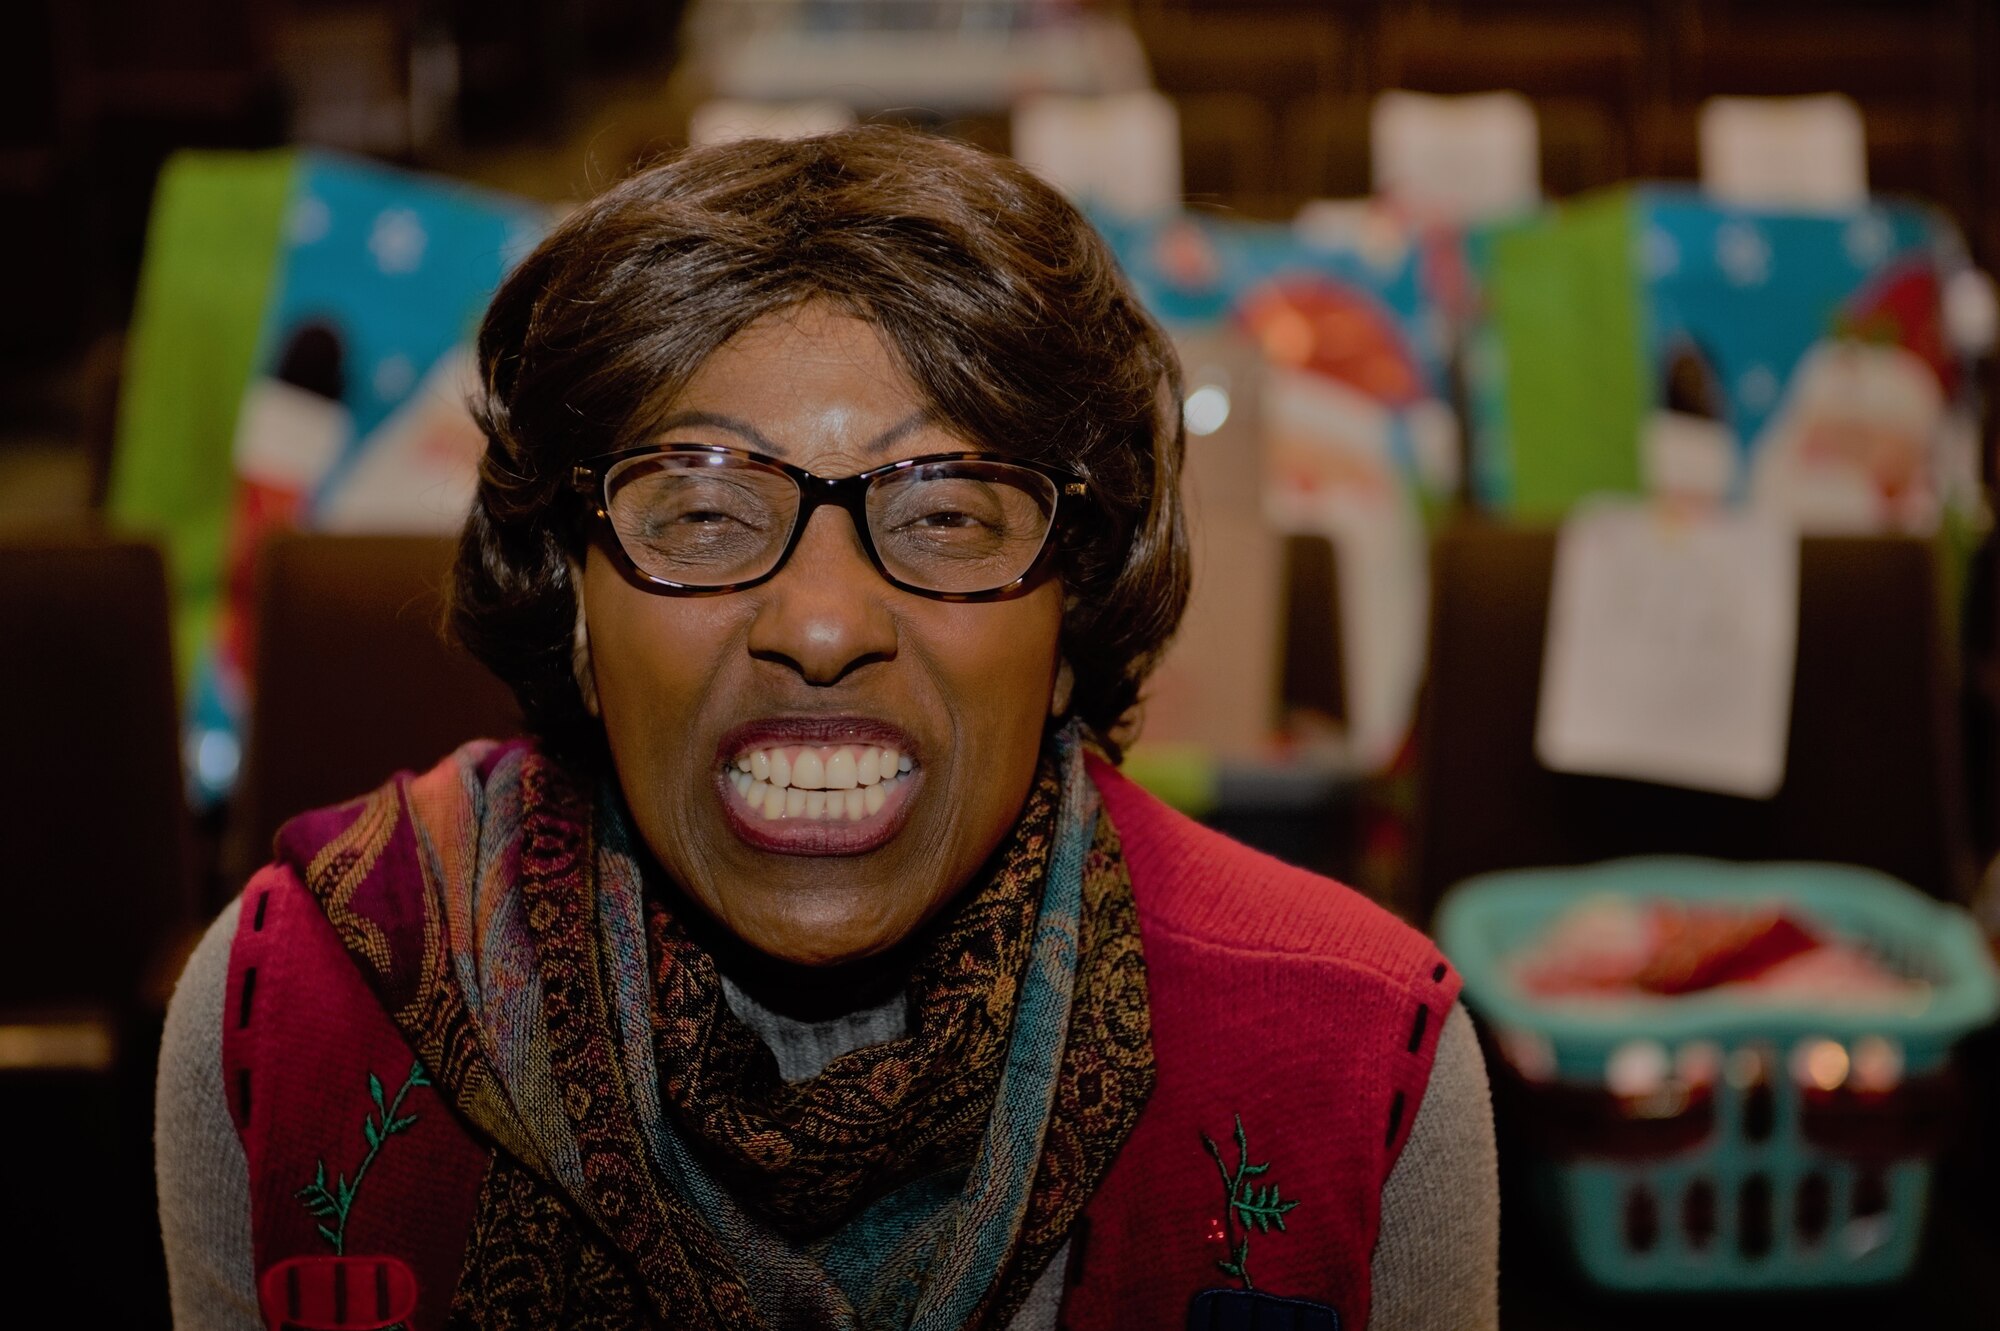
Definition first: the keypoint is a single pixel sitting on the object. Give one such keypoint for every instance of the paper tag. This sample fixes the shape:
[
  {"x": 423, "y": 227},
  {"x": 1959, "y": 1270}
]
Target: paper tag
[
  {"x": 1687, "y": 456},
  {"x": 1784, "y": 152},
  {"x": 288, "y": 438},
  {"x": 1457, "y": 159},
  {"x": 1121, "y": 151},
  {"x": 1671, "y": 646}
]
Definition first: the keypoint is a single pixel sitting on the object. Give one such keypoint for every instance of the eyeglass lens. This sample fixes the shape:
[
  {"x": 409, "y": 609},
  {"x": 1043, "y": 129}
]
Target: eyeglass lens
[{"x": 712, "y": 520}]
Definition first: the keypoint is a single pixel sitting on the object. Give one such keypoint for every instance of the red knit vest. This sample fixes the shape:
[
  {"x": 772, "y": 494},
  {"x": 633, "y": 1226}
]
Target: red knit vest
[{"x": 1294, "y": 1024}]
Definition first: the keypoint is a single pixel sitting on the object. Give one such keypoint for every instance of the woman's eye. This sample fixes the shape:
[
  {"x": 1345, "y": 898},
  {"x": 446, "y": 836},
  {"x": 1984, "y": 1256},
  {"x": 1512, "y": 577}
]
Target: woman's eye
[
  {"x": 945, "y": 507},
  {"x": 946, "y": 518},
  {"x": 657, "y": 520},
  {"x": 690, "y": 506}
]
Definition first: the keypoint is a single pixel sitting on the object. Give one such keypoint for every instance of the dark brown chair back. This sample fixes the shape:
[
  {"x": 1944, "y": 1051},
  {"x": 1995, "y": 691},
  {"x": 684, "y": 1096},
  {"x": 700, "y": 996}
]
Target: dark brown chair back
[
  {"x": 355, "y": 680},
  {"x": 92, "y": 813},
  {"x": 1870, "y": 772}
]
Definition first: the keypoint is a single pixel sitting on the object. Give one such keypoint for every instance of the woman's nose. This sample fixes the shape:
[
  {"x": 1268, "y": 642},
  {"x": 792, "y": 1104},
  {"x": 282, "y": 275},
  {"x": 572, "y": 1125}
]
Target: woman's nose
[{"x": 826, "y": 613}]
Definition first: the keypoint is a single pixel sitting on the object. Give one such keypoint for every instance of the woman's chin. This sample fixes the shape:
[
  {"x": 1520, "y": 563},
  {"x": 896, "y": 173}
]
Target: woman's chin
[{"x": 824, "y": 940}]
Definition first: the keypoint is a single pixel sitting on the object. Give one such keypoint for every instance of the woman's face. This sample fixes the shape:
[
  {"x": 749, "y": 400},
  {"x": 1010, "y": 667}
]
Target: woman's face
[{"x": 826, "y": 665}]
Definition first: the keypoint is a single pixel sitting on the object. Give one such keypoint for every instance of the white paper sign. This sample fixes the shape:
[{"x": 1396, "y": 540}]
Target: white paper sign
[
  {"x": 1784, "y": 152},
  {"x": 1672, "y": 639},
  {"x": 1121, "y": 150},
  {"x": 1457, "y": 159},
  {"x": 726, "y": 120}
]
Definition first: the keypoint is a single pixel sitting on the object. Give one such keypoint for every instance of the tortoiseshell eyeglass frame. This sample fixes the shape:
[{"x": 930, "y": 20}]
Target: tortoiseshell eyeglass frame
[{"x": 592, "y": 479}]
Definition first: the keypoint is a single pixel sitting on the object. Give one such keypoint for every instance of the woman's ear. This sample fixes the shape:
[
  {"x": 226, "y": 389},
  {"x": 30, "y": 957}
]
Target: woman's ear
[
  {"x": 579, "y": 652},
  {"x": 1065, "y": 685}
]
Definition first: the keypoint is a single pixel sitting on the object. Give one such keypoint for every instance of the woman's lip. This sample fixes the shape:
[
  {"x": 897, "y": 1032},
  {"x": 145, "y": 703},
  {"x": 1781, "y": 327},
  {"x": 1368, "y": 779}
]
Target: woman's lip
[
  {"x": 807, "y": 730},
  {"x": 805, "y": 836}
]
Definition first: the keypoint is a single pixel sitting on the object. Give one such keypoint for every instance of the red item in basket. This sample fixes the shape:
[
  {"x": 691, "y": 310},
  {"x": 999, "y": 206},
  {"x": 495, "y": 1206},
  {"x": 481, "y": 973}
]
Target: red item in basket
[
  {"x": 1699, "y": 949},
  {"x": 1614, "y": 946}
]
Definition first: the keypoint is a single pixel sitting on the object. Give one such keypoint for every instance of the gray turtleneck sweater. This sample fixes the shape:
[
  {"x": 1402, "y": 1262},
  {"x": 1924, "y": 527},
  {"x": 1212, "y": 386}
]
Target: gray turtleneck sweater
[{"x": 1435, "y": 1266}]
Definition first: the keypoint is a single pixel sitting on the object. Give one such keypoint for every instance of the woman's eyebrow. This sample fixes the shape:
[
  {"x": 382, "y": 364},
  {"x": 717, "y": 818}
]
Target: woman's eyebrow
[
  {"x": 916, "y": 420},
  {"x": 721, "y": 422}
]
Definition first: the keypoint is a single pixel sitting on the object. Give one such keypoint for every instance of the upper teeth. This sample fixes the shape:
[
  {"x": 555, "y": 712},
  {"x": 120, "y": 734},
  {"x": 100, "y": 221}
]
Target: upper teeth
[
  {"x": 804, "y": 767},
  {"x": 848, "y": 782}
]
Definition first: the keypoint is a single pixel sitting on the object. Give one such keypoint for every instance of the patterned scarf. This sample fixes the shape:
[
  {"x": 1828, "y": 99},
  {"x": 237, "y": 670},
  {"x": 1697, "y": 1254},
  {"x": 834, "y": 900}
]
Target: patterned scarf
[{"x": 651, "y": 1166}]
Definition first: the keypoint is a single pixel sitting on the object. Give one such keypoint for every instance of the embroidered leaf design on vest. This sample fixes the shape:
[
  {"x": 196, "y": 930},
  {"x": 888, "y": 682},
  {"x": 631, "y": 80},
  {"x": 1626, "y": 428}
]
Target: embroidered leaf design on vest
[
  {"x": 334, "y": 1204},
  {"x": 1253, "y": 1207}
]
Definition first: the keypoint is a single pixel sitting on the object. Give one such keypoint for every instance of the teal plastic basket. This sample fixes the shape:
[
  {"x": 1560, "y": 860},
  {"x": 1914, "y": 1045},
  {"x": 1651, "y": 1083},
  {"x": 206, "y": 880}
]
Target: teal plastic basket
[{"x": 1754, "y": 1167}]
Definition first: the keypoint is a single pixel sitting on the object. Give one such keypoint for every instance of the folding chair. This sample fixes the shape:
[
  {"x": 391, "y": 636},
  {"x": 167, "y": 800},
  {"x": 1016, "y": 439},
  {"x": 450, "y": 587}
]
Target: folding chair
[
  {"x": 95, "y": 900},
  {"x": 91, "y": 808},
  {"x": 354, "y": 679}
]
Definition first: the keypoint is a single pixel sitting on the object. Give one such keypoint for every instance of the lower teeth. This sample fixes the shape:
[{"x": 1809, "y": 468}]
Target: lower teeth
[{"x": 775, "y": 802}]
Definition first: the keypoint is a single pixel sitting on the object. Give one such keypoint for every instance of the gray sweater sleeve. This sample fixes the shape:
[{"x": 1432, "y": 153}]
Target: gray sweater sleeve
[
  {"x": 198, "y": 1158},
  {"x": 1435, "y": 1267},
  {"x": 1437, "y": 1253}
]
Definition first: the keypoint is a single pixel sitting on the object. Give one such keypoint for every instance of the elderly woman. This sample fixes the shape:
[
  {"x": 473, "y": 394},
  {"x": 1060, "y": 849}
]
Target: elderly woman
[{"x": 812, "y": 965}]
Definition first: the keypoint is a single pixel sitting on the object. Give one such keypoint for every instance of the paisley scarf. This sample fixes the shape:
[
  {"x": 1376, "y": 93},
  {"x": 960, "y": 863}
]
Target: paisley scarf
[{"x": 650, "y": 1164}]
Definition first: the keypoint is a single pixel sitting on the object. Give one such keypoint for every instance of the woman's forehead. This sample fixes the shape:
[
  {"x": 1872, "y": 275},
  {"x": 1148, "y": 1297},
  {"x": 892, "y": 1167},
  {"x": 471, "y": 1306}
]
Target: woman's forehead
[{"x": 814, "y": 387}]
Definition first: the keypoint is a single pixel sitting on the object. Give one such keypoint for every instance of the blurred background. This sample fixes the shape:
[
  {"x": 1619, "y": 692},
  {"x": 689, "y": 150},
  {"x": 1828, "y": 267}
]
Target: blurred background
[{"x": 1591, "y": 459}]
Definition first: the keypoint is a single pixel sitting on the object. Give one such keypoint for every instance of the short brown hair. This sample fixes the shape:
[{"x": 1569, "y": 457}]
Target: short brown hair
[{"x": 1001, "y": 302}]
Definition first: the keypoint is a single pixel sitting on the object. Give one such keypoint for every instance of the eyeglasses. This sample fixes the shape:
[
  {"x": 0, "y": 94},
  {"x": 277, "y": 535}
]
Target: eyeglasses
[{"x": 701, "y": 519}]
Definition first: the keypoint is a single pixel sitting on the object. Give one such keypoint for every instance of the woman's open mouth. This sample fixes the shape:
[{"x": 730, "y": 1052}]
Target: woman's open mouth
[{"x": 787, "y": 793}]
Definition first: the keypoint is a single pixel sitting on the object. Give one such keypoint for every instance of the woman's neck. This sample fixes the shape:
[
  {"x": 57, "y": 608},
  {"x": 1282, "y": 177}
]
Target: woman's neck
[{"x": 810, "y": 993}]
